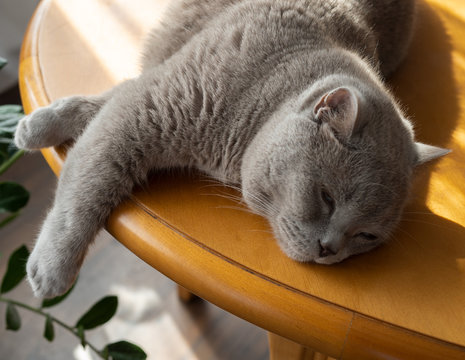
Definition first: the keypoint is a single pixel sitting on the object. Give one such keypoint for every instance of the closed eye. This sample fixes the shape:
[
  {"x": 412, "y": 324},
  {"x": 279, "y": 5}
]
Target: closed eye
[
  {"x": 367, "y": 236},
  {"x": 328, "y": 200}
]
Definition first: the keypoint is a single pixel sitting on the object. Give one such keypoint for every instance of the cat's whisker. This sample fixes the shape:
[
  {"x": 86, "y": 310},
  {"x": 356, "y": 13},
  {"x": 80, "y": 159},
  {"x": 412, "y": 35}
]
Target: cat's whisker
[
  {"x": 227, "y": 197},
  {"x": 215, "y": 183},
  {"x": 235, "y": 197},
  {"x": 401, "y": 243},
  {"x": 218, "y": 185},
  {"x": 210, "y": 186},
  {"x": 207, "y": 179},
  {"x": 232, "y": 186},
  {"x": 263, "y": 206},
  {"x": 221, "y": 190},
  {"x": 264, "y": 203},
  {"x": 246, "y": 210},
  {"x": 234, "y": 208}
]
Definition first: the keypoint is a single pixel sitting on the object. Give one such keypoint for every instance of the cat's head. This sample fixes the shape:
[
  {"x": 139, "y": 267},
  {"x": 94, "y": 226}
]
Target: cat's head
[{"x": 331, "y": 171}]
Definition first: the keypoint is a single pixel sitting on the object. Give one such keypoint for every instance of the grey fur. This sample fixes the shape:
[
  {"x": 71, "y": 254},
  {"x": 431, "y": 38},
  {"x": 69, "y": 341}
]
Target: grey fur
[{"x": 284, "y": 98}]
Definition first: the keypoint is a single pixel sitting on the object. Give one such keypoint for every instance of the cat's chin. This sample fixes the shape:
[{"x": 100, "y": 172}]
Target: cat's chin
[
  {"x": 306, "y": 258},
  {"x": 300, "y": 256},
  {"x": 330, "y": 260},
  {"x": 295, "y": 254}
]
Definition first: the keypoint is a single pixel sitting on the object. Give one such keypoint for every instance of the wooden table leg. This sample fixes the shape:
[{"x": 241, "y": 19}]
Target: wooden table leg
[
  {"x": 185, "y": 295},
  {"x": 284, "y": 349}
]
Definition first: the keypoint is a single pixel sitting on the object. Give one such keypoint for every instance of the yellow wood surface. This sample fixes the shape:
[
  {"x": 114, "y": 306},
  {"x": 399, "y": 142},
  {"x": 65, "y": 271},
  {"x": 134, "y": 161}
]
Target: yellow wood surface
[
  {"x": 281, "y": 348},
  {"x": 404, "y": 300},
  {"x": 284, "y": 349},
  {"x": 185, "y": 295}
]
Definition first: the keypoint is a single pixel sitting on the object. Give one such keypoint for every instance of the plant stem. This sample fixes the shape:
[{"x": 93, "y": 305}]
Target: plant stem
[
  {"x": 59, "y": 322},
  {"x": 11, "y": 161}
]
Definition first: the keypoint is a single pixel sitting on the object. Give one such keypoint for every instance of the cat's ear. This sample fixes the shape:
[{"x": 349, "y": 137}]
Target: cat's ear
[
  {"x": 339, "y": 108},
  {"x": 428, "y": 152}
]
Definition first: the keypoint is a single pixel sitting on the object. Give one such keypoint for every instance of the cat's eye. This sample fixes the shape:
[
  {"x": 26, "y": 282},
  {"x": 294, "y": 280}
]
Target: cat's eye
[
  {"x": 367, "y": 236},
  {"x": 327, "y": 199}
]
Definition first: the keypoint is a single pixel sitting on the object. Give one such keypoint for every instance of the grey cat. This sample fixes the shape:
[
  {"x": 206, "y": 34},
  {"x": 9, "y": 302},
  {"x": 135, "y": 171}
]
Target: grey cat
[{"x": 284, "y": 98}]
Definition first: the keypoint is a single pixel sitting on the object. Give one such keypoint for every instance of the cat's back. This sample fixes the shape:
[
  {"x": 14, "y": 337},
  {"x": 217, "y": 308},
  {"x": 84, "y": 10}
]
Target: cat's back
[
  {"x": 380, "y": 31},
  {"x": 375, "y": 29}
]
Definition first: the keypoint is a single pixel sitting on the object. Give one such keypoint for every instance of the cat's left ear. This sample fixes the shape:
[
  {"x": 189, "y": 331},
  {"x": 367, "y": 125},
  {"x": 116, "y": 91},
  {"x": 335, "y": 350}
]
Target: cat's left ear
[
  {"x": 427, "y": 153},
  {"x": 339, "y": 108}
]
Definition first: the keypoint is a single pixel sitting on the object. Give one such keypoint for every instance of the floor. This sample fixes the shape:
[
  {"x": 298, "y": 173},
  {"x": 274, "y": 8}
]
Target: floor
[
  {"x": 14, "y": 17},
  {"x": 149, "y": 313}
]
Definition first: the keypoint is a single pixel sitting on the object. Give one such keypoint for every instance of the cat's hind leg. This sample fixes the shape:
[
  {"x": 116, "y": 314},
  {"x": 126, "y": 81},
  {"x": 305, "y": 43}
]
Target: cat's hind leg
[
  {"x": 63, "y": 120},
  {"x": 393, "y": 21}
]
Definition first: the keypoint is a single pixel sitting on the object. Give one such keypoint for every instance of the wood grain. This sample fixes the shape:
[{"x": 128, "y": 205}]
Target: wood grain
[
  {"x": 384, "y": 341},
  {"x": 281, "y": 348},
  {"x": 183, "y": 225}
]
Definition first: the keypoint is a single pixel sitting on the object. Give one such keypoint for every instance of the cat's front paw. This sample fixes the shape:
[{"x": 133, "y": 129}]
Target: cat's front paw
[
  {"x": 34, "y": 131},
  {"x": 41, "y": 128},
  {"x": 49, "y": 273}
]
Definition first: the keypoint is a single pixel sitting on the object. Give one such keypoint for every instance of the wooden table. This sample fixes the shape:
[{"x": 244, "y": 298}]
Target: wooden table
[{"x": 405, "y": 300}]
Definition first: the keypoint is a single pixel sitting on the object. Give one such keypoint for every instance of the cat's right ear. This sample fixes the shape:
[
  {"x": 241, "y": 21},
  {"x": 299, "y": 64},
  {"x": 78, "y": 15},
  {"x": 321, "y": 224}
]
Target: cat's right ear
[
  {"x": 339, "y": 109},
  {"x": 428, "y": 152}
]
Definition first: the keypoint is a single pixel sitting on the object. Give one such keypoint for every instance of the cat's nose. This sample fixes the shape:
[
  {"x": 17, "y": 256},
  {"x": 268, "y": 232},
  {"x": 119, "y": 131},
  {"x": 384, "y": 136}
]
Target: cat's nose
[{"x": 326, "y": 250}]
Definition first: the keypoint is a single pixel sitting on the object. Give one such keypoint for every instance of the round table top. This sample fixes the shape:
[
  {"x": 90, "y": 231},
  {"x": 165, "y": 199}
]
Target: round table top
[{"x": 404, "y": 300}]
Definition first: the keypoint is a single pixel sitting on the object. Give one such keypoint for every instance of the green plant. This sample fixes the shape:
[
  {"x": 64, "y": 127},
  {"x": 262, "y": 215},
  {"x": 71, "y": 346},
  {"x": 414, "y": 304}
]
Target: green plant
[
  {"x": 13, "y": 197},
  {"x": 97, "y": 315}
]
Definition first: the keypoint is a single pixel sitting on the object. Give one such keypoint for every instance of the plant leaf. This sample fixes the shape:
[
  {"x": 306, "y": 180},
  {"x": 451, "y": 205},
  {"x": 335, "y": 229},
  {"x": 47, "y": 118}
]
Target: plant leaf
[
  {"x": 99, "y": 314},
  {"x": 49, "y": 331},
  {"x": 58, "y": 299},
  {"x": 16, "y": 269},
  {"x": 9, "y": 118},
  {"x": 8, "y": 219},
  {"x": 12, "y": 197},
  {"x": 3, "y": 62},
  {"x": 123, "y": 350},
  {"x": 9, "y": 121},
  {"x": 8, "y": 109},
  {"x": 13, "y": 320}
]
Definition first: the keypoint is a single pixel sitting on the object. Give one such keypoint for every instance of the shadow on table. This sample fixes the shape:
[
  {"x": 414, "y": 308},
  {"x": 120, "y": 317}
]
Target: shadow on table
[{"x": 426, "y": 257}]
